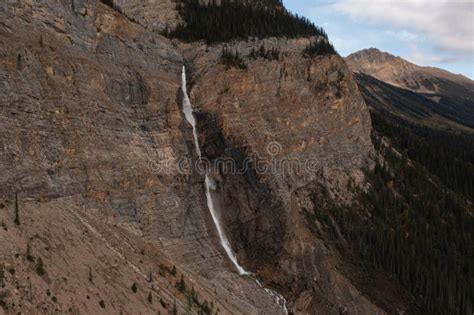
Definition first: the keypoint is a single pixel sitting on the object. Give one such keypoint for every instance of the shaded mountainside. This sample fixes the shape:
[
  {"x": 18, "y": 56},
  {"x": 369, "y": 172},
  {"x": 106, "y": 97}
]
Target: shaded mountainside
[
  {"x": 435, "y": 134},
  {"x": 417, "y": 228},
  {"x": 414, "y": 107},
  {"x": 420, "y": 198}
]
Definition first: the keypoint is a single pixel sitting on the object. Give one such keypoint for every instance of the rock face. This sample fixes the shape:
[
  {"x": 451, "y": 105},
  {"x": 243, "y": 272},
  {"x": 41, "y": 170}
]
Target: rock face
[
  {"x": 90, "y": 114},
  {"x": 305, "y": 120},
  {"x": 155, "y": 15},
  {"x": 94, "y": 144}
]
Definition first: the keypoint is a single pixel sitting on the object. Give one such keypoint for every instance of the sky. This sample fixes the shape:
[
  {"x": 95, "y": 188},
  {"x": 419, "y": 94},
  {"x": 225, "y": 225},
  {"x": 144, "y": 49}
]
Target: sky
[{"x": 425, "y": 32}]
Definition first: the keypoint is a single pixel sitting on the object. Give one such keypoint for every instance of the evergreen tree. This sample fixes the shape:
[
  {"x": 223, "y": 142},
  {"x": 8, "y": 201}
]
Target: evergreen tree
[
  {"x": 181, "y": 285},
  {"x": 175, "y": 309},
  {"x": 17, "y": 214},
  {"x": 29, "y": 257},
  {"x": 2, "y": 276},
  {"x": 90, "y": 275},
  {"x": 40, "y": 267},
  {"x": 239, "y": 20}
]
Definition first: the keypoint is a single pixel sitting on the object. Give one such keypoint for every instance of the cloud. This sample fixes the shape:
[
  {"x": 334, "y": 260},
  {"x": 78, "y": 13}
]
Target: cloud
[
  {"x": 448, "y": 25},
  {"x": 420, "y": 57},
  {"x": 403, "y": 35}
]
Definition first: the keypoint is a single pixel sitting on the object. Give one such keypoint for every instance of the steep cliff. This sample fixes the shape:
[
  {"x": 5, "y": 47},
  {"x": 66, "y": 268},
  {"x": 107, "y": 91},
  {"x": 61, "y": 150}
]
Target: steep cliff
[
  {"x": 90, "y": 110},
  {"x": 305, "y": 120},
  {"x": 97, "y": 201}
]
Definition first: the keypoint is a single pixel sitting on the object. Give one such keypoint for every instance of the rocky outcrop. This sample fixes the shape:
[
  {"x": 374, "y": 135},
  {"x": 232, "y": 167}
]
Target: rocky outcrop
[{"x": 156, "y": 16}]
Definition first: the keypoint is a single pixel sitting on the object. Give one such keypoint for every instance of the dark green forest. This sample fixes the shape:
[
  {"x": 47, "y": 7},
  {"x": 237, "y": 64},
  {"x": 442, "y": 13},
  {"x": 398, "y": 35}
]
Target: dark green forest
[
  {"x": 239, "y": 20},
  {"x": 448, "y": 155},
  {"x": 419, "y": 229}
]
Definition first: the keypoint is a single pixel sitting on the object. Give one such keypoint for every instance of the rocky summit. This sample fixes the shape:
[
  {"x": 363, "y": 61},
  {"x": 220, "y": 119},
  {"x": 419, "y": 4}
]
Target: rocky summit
[
  {"x": 433, "y": 96},
  {"x": 113, "y": 202}
]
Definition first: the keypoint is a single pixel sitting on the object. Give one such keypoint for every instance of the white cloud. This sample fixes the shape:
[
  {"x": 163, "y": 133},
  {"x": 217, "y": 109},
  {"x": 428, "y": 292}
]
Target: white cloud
[
  {"x": 420, "y": 57},
  {"x": 449, "y": 25},
  {"x": 404, "y": 35}
]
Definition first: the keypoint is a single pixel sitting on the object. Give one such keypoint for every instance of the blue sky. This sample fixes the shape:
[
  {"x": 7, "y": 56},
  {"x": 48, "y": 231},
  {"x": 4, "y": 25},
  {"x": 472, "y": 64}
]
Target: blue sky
[{"x": 426, "y": 32}]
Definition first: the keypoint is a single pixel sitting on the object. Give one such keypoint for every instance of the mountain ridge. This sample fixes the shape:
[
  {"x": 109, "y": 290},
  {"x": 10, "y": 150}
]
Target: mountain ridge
[
  {"x": 385, "y": 67},
  {"x": 447, "y": 95}
]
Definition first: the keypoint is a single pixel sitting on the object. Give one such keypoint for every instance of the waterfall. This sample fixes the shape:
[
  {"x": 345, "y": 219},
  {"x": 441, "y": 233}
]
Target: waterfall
[
  {"x": 210, "y": 185},
  {"x": 188, "y": 111},
  {"x": 209, "y": 182}
]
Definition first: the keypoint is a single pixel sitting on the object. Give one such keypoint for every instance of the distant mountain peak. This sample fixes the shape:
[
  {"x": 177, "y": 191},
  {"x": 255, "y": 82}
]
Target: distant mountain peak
[
  {"x": 402, "y": 73},
  {"x": 371, "y": 61},
  {"x": 372, "y": 55}
]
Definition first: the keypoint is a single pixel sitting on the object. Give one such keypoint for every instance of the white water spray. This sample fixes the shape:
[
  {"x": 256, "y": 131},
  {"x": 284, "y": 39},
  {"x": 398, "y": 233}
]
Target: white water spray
[
  {"x": 210, "y": 186},
  {"x": 188, "y": 111}
]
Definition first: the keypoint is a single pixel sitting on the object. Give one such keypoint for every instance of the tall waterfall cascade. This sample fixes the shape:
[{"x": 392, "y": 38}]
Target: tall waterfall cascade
[
  {"x": 209, "y": 183},
  {"x": 210, "y": 186}
]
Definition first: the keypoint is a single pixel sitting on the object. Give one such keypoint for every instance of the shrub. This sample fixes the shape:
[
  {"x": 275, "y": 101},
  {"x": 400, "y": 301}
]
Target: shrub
[
  {"x": 102, "y": 303},
  {"x": 163, "y": 304}
]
